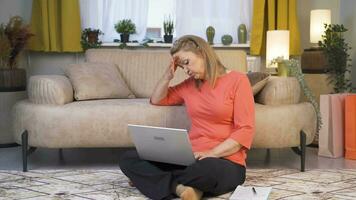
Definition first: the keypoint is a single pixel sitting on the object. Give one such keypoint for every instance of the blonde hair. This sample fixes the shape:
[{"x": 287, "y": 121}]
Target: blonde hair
[{"x": 198, "y": 46}]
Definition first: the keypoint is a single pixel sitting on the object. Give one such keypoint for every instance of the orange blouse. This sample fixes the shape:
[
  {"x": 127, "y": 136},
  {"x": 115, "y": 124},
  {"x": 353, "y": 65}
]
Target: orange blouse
[{"x": 226, "y": 111}]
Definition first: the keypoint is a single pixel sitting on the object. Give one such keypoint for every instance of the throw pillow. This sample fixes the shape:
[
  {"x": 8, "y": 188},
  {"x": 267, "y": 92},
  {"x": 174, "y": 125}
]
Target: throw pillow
[
  {"x": 257, "y": 80},
  {"x": 97, "y": 81}
]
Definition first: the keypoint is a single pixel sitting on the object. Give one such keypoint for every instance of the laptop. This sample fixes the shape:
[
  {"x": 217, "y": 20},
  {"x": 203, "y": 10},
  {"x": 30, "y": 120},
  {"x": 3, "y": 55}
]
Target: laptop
[{"x": 167, "y": 145}]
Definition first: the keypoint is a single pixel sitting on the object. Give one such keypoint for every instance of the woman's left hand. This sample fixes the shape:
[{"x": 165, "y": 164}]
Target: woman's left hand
[{"x": 202, "y": 155}]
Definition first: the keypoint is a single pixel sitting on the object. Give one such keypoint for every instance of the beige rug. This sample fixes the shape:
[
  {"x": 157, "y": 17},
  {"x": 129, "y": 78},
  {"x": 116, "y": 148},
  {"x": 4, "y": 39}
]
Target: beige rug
[{"x": 112, "y": 184}]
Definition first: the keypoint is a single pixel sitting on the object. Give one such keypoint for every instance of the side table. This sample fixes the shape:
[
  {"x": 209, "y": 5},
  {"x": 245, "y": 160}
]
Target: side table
[{"x": 7, "y": 101}]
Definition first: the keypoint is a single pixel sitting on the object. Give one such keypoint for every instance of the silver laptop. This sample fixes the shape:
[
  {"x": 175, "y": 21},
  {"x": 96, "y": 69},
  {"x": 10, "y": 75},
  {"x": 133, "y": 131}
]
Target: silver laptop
[{"x": 167, "y": 145}]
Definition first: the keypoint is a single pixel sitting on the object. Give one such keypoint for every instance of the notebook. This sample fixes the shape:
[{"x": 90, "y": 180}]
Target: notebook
[{"x": 247, "y": 193}]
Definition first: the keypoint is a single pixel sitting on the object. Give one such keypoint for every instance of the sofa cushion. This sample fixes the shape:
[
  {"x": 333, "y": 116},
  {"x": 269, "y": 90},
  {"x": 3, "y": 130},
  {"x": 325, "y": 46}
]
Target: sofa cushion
[
  {"x": 97, "y": 81},
  {"x": 257, "y": 80},
  {"x": 280, "y": 90}
]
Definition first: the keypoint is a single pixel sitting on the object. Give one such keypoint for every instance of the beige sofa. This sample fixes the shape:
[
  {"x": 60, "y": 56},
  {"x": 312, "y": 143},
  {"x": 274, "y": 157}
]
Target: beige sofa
[{"x": 50, "y": 118}]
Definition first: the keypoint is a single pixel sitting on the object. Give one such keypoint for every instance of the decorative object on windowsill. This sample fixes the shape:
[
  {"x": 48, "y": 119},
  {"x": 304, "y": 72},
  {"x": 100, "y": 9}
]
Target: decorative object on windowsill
[
  {"x": 336, "y": 50},
  {"x": 210, "y": 33},
  {"x": 90, "y": 38},
  {"x": 294, "y": 69},
  {"x": 168, "y": 27},
  {"x": 277, "y": 46},
  {"x": 13, "y": 38},
  {"x": 242, "y": 34},
  {"x": 125, "y": 27},
  {"x": 226, "y": 39}
]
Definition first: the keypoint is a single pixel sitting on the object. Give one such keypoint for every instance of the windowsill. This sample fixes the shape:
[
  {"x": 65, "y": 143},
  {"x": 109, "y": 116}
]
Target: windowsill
[{"x": 168, "y": 45}]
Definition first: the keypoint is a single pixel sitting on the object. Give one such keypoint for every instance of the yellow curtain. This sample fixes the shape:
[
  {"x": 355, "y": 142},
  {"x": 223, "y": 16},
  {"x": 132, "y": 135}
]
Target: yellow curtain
[
  {"x": 56, "y": 25},
  {"x": 274, "y": 15}
]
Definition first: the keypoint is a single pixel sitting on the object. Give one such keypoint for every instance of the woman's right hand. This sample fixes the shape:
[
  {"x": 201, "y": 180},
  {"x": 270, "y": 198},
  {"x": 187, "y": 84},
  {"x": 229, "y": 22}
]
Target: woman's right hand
[{"x": 169, "y": 74}]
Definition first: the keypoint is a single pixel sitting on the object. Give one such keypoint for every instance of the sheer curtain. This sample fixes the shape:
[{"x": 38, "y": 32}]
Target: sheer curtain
[
  {"x": 104, "y": 14},
  {"x": 193, "y": 17}
]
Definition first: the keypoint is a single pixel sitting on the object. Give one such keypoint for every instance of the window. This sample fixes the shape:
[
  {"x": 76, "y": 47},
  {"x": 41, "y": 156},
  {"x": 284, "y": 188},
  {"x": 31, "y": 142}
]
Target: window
[
  {"x": 158, "y": 10},
  {"x": 190, "y": 17}
]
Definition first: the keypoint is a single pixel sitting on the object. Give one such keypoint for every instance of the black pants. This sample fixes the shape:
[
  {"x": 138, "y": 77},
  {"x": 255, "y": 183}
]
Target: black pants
[{"x": 213, "y": 176}]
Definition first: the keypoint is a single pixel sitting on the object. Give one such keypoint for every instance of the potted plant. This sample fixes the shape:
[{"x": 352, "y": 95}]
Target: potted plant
[
  {"x": 125, "y": 27},
  {"x": 90, "y": 38},
  {"x": 13, "y": 38},
  {"x": 336, "y": 50},
  {"x": 168, "y": 27}
]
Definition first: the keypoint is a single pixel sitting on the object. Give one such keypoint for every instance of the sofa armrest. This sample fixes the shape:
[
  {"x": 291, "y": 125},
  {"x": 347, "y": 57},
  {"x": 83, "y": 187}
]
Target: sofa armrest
[
  {"x": 50, "y": 89},
  {"x": 279, "y": 91}
]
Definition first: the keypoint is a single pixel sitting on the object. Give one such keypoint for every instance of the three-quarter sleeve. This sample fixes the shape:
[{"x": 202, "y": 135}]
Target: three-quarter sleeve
[
  {"x": 244, "y": 114},
  {"x": 174, "y": 95}
]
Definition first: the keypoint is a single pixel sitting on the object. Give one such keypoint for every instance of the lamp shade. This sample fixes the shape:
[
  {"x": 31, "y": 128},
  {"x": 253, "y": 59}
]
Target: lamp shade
[
  {"x": 317, "y": 20},
  {"x": 277, "y": 46}
]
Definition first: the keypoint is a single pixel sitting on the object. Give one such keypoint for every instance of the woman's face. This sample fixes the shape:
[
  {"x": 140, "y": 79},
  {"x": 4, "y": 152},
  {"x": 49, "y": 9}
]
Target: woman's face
[{"x": 192, "y": 64}]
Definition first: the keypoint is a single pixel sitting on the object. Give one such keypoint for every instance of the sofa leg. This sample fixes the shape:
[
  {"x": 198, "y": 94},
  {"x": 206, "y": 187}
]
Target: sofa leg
[
  {"x": 25, "y": 150},
  {"x": 24, "y": 138},
  {"x": 303, "y": 141},
  {"x": 301, "y": 151},
  {"x": 61, "y": 157}
]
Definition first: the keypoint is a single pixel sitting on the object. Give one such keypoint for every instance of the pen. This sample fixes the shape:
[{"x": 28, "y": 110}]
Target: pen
[{"x": 254, "y": 190}]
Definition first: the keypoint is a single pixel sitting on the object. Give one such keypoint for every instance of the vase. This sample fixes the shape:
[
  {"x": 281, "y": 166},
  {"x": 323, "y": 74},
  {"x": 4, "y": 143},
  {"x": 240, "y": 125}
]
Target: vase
[
  {"x": 210, "y": 33},
  {"x": 242, "y": 34},
  {"x": 226, "y": 39},
  {"x": 168, "y": 38},
  {"x": 283, "y": 70},
  {"x": 12, "y": 80},
  {"x": 124, "y": 38}
]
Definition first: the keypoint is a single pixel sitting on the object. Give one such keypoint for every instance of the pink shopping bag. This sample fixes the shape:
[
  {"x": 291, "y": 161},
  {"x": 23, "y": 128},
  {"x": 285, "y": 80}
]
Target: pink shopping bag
[{"x": 331, "y": 134}]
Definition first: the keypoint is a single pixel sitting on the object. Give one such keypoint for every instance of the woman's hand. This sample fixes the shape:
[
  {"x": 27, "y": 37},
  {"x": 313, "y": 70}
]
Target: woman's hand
[
  {"x": 169, "y": 74},
  {"x": 206, "y": 154}
]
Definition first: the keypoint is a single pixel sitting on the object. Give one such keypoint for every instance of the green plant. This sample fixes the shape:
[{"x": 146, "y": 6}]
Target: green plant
[
  {"x": 294, "y": 69},
  {"x": 89, "y": 38},
  {"x": 125, "y": 26},
  {"x": 13, "y": 38},
  {"x": 336, "y": 50},
  {"x": 168, "y": 26}
]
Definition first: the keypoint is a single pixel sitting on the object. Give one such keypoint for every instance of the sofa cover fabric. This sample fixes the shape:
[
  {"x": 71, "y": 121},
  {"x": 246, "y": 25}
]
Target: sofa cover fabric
[{"x": 103, "y": 123}]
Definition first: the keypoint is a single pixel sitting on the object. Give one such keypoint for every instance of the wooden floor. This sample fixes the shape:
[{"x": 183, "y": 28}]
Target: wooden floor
[{"x": 11, "y": 159}]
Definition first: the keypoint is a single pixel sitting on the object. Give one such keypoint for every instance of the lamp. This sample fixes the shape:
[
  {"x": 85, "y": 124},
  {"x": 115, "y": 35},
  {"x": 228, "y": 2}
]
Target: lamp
[
  {"x": 317, "y": 20},
  {"x": 277, "y": 46}
]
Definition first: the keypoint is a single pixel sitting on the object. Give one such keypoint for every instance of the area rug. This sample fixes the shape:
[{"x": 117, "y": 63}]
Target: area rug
[{"x": 112, "y": 184}]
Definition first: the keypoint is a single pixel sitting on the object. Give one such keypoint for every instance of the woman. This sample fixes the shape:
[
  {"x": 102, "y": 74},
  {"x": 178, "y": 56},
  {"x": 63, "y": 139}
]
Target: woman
[{"x": 221, "y": 107}]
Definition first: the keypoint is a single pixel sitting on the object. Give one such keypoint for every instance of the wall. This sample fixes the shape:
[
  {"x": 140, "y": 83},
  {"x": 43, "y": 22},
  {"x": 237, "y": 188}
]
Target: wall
[
  {"x": 348, "y": 18},
  {"x": 342, "y": 12}
]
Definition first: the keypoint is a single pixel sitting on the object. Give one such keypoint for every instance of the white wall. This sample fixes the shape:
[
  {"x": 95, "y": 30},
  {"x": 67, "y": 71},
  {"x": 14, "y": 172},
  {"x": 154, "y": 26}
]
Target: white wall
[
  {"x": 342, "y": 12},
  {"x": 348, "y": 18}
]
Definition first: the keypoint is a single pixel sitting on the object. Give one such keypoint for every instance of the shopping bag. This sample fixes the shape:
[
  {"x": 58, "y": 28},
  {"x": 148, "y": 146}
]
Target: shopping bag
[{"x": 331, "y": 134}]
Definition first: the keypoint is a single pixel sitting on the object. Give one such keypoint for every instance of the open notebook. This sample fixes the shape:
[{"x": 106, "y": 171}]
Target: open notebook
[{"x": 247, "y": 193}]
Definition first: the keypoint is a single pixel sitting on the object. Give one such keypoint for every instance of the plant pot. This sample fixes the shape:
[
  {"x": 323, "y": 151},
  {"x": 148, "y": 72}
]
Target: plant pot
[
  {"x": 168, "y": 38},
  {"x": 283, "y": 70},
  {"x": 124, "y": 38},
  {"x": 93, "y": 37},
  {"x": 12, "y": 80}
]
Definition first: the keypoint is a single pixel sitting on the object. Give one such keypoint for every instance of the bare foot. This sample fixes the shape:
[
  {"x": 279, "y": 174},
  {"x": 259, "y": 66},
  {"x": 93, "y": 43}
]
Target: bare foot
[{"x": 188, "y": 193}]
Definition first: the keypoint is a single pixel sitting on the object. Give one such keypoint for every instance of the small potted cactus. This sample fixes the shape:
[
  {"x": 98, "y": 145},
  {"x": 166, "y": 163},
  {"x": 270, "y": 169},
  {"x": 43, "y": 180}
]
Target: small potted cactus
[{"x": 168, "y": 27}]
